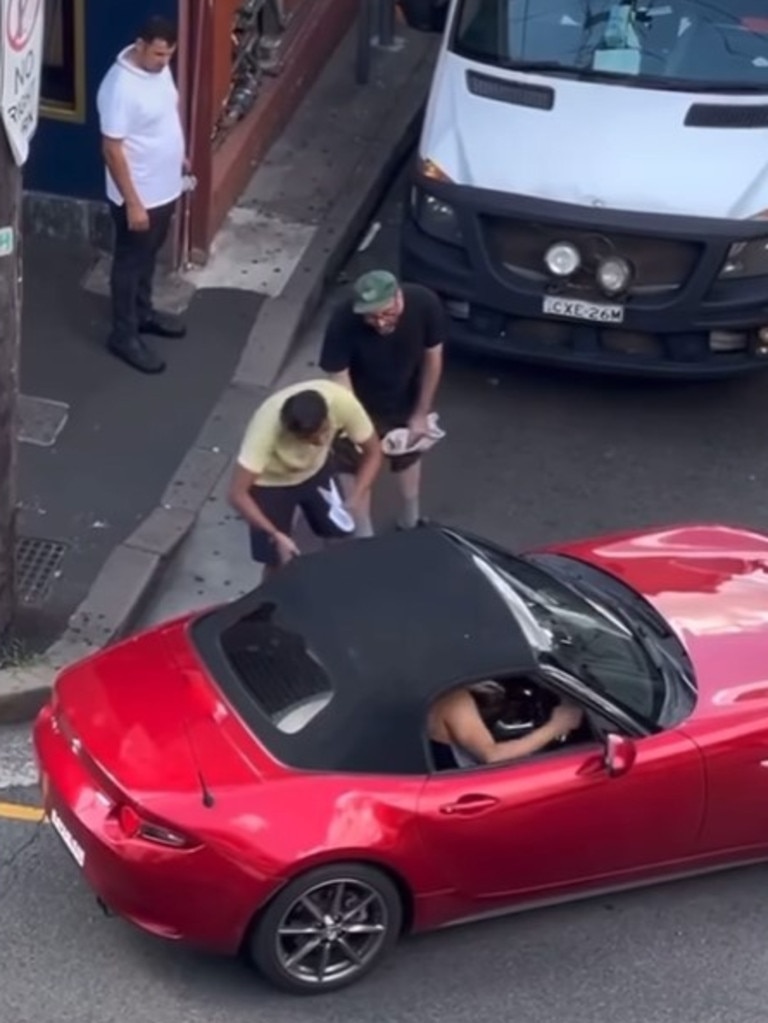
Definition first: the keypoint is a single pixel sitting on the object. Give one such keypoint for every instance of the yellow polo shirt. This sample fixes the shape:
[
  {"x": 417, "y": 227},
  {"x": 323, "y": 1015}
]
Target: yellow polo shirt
[{"x": 279, "y": 459}]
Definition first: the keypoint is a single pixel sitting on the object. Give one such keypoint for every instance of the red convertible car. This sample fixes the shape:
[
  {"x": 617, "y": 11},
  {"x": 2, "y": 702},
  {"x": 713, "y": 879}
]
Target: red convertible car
[{"x": 259, "y": 777}]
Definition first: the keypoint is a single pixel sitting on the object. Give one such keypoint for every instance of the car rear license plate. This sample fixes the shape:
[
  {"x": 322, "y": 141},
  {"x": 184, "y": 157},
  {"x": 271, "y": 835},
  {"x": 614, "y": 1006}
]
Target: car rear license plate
[
  {"x": 575, "y": 309},
  {"x": 76, "y": 850}
]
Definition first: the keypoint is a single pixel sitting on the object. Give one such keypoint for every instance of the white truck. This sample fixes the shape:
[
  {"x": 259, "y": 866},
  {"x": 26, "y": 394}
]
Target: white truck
[{"x": 591, "y": 183}]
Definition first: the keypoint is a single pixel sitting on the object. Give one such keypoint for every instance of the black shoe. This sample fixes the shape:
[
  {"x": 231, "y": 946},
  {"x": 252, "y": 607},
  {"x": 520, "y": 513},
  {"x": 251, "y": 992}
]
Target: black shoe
[
  {"x": 163, "y": 325},
  {"x": 137, "y": 354}
]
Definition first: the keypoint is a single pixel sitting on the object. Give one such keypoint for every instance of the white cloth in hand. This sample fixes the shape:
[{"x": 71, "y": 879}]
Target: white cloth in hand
[
  {"x": 401, "y": 442},
  {"x": 337, "y": 513}
]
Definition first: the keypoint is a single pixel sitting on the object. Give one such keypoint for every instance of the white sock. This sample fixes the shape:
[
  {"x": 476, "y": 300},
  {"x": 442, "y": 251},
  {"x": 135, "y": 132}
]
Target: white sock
[
  {"x": 363, "y": 526},
  {"x": 410, "y": 514}
]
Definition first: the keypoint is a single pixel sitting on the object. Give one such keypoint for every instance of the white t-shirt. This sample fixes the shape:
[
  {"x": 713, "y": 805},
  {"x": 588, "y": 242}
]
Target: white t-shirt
[{"x": 142, "y": 109}]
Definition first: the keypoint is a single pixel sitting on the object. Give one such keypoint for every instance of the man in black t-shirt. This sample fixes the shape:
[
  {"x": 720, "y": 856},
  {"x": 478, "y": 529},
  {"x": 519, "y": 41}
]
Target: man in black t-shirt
[{"x": 386, "y": 344}]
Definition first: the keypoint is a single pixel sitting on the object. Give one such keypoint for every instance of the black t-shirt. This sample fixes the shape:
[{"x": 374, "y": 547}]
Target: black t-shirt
[{"x": 385, "y": 369}]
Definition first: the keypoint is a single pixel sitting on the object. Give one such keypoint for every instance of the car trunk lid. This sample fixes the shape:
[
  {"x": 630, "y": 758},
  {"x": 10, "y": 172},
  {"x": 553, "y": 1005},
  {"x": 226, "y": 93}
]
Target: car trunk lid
[{"x": 149, "y": 721}]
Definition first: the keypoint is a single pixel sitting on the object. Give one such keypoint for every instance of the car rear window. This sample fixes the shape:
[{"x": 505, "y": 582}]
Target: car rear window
[{"x": 279, "y": 673}]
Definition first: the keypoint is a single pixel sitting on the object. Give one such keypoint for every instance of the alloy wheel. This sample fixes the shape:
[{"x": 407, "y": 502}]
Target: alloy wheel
[{"x": 332, "y": 931}]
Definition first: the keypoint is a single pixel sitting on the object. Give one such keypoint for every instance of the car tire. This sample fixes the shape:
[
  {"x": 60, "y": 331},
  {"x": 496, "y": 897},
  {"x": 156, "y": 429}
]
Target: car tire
[{"x": 327, "y": 929}]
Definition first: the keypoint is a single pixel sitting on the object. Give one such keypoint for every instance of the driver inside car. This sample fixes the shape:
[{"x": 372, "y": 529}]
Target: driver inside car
[{"x": 460, "y": 735}]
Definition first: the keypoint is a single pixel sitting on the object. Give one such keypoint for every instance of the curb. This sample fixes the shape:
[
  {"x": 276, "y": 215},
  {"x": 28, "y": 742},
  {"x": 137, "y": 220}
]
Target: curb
[{"x": 133, "y": 569}]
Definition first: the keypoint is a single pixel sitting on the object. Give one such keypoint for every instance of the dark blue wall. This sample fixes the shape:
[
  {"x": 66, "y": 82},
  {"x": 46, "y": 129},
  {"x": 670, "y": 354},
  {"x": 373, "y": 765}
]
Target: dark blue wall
[{"x": 65, "y": 158}]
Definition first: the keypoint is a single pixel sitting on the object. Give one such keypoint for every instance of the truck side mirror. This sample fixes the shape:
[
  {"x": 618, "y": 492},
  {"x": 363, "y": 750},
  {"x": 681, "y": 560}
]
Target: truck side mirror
[{"x": 425, "y": 15}]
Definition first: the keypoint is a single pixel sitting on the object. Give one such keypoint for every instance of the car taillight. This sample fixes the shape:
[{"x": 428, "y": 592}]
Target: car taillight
[
  {"x": 134, "y": 826},
  {"x": 62, "y": 725}
]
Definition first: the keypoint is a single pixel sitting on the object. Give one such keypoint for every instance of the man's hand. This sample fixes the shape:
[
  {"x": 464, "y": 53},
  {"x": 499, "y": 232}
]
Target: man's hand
[
  {"x": 566, "y": 718},
  {"x": 418, "y": 425},
  {"x": 353, "y": 500},
  {"x": 137, "y": 216},
  {"x": 286, "y": 548}
]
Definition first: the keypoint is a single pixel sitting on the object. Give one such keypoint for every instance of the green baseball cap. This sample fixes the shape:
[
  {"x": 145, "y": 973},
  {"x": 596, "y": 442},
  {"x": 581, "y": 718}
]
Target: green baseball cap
[{"x": 374, "y": 290}]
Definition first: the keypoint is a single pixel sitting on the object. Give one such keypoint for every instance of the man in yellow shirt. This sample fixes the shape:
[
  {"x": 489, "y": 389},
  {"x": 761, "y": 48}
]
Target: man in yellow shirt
[{"x": 285, "y": 463}]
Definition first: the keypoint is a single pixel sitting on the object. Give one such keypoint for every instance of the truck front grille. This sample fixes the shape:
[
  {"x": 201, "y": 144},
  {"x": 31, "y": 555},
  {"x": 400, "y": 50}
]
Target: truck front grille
[{"x": 518, "y": 247}]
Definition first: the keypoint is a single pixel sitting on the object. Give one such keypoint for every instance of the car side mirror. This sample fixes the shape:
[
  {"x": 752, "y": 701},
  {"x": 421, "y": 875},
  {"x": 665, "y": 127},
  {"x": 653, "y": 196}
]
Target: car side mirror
[
  {"x": 619, "y": 754},
  {"x": 425, "y": 15}
]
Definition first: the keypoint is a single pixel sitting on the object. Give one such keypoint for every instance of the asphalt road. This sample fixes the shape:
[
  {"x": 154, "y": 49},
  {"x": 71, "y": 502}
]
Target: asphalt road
[{"x": 530, "y": 457}]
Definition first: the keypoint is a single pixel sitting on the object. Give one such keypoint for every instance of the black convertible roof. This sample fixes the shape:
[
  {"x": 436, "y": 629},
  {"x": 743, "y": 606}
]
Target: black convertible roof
[{"x": 394, "y": 621}]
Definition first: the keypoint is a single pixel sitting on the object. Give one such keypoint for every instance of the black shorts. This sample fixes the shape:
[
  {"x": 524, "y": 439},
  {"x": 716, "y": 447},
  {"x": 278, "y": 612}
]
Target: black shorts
[
  {"x": 347, "y": 456},
  {"x": 279, "y": 504}
]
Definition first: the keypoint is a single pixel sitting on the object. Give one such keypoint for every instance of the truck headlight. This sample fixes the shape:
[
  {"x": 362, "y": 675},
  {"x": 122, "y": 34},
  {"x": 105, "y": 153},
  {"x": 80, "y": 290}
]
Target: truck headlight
[
  {"x": 562, "y": 259},
  {"x": 436, "y": 218},
  {"x": 614, "y": 275},
  {"x": 746, "y": 259}
]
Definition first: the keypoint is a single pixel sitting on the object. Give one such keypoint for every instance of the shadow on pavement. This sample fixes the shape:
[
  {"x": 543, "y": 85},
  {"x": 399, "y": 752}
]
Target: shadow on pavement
[{"x": 125, "y": 434}]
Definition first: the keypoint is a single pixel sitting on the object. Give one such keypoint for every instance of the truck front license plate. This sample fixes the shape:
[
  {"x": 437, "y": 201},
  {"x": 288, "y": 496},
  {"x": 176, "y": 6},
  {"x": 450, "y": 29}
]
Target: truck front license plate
[{"x": 575, "y": 309}]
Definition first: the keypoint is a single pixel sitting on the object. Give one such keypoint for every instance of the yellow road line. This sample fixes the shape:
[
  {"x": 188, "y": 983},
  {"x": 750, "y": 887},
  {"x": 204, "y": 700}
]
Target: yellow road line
[{"x": 20, "y": 812}]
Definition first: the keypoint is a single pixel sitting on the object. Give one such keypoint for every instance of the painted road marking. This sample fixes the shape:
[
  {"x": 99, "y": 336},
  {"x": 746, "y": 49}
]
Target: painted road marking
[{"x": 21, "y": 812}]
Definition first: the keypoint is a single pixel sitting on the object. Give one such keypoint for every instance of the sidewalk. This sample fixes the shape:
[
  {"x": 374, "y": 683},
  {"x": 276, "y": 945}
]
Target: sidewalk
[
  {"x": 213, "y": 565},
  {"x": 99, "y": 442},
  {"x": 103, "y": 485}
]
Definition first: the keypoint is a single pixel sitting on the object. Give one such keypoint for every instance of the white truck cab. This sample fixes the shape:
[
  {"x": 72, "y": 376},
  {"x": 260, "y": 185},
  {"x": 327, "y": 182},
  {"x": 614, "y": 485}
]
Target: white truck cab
[{"x": 591, "y": 182}]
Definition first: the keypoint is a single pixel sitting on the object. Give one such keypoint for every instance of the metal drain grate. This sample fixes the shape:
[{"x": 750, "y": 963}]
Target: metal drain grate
[{"x": 37, "y": 568}]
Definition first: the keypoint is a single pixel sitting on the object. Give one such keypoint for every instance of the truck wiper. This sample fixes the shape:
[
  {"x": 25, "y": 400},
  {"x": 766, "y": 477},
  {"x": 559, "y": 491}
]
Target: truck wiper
[
  {"x": 543, "y": 65},
  {"x": 641, "y": 81},
  {"x": 581, "y": 71},
  {"x": 713, "y": 86}
]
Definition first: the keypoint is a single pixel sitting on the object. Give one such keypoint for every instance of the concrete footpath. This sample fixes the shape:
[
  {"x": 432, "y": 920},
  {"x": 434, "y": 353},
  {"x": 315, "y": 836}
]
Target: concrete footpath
[
  {"x": 287, "y": 238},
  {"x": 98, "y": 441},
  {"x": 212, "y": 565}
]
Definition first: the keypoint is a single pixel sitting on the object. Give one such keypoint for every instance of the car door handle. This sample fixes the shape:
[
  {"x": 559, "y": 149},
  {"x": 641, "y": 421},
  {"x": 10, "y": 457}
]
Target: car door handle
[{"x": 468, "y": 805}]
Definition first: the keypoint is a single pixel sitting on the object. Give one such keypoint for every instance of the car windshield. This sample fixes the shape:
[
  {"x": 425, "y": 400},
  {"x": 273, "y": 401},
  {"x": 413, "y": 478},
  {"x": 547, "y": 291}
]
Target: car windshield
[
  {"x": 682, "y": 44},
  {"x": 583, "y": 638}
]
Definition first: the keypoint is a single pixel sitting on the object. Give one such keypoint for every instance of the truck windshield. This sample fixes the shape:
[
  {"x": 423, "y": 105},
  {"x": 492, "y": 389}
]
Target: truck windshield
[{"x": 681, "y": 44}]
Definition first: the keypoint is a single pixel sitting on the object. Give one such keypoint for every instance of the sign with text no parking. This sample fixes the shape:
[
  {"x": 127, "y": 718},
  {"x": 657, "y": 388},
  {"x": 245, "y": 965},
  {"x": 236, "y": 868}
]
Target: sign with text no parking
[{"x": 22, "y": 25}]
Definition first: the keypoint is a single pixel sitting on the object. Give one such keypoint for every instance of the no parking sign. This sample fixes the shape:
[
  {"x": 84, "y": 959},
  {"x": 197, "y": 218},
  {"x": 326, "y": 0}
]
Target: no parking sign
[{"x": 21, "y": 57}]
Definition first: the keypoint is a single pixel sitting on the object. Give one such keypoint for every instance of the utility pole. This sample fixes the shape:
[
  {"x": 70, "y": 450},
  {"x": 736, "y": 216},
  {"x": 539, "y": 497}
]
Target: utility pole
[
  {"x": 10, "y": 337},
  {"x": 22, "y": 30}
]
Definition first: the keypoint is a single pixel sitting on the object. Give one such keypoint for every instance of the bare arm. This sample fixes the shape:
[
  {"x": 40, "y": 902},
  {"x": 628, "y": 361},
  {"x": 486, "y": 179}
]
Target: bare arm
[
  {"x": 242, "y": 501},
  {"x": 369, "y": 468},
  {"x": 372, "y": 455},
  {"x": 343, "y": 379},
  {"x": 430, "y": 379},
  {"x": 468, "y": 730}
]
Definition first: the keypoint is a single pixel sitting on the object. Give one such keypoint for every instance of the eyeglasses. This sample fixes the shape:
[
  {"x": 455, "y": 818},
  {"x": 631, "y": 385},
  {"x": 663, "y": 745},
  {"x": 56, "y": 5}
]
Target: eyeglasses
[{"x": 390, "y": 312}]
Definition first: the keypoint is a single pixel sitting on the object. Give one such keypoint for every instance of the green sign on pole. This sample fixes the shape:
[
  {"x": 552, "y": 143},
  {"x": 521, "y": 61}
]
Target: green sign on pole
[{"x": 6, "y": 241}]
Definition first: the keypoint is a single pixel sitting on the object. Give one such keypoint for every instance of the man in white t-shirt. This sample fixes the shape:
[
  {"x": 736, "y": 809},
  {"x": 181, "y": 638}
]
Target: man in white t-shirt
[{"x": 144, "y": 151}]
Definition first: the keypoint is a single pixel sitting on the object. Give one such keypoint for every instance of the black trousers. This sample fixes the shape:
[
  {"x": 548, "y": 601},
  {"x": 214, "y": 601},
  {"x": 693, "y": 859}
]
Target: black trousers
[
  {"x": 280, "y": 503},
  {"x": 133, "y": 269}
]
